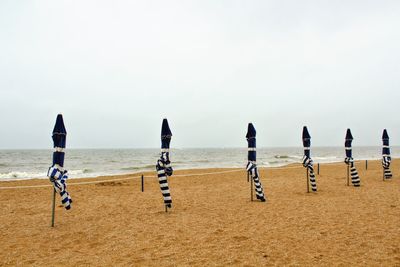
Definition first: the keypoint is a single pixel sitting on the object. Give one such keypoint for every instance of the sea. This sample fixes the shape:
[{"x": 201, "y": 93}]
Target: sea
[{"x": 31, "y": 164}]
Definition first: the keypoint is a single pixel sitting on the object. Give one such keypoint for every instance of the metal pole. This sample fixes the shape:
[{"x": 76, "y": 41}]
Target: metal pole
[
  {"x": 53, "y": 207},
  {"x": 308, "y": 189},
  {"x": 348, "y": 171},
  {"x": 142, "y": 183},
  {"x": 251, "y": 189},
  {"x": 366, "y": 164},
  {"x": 318, "y": 168}
]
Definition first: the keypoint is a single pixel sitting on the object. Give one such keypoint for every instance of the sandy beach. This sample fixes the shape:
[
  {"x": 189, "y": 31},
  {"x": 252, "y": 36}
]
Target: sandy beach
[{"x": 212, "y": 222}]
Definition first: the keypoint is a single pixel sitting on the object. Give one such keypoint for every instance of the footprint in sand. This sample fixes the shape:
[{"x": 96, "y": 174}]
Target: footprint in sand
[{"x": 240, "y": 238}]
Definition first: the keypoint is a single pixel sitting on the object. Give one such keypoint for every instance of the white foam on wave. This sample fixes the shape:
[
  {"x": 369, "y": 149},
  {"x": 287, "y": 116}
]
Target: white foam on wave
[
  {"x": 22, "y": 175},
  {"x": 15, "y": 175}
]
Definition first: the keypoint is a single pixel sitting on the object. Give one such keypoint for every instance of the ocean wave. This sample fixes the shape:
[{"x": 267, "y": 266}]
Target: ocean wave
[
  {"x": 22, "y": 175},
  {"x": 15, "y": 175},
  {"x": 287, "y": 157},
  {"x": 133, "y": 168},
  {"x": 281, "y": 156}
]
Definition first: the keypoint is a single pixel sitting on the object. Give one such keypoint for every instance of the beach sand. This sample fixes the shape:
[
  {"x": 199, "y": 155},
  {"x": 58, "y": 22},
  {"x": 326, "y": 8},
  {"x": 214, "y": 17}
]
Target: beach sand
[{"x": 212, "y": 222}]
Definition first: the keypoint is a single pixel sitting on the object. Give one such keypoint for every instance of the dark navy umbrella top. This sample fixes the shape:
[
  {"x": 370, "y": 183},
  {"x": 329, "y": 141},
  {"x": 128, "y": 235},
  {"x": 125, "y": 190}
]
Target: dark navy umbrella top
[
  {"x": 385, "y": 135},
  {"x": 251, "y": 131},
  {"x": 59, "y": 132},
  {"x": 347, "y": 143},
  {"x": 306, "y": 141},
  {"x": 349, "y": 136},
  {"x": 59, "y": 139},
  {"x": 165, "y": 134},
  {"x": 385, "y": 139},
  {"x": 306, "y": 137},
  {"x": 251, "y": 142}
]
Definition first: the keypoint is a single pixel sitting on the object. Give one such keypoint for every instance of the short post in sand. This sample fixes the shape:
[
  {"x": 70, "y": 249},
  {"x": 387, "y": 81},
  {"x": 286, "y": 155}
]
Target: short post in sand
[
  {"x": 248, "y": 177},
  {"x": 366, "y": 164},
  {"x": 53, "y": 207},
  {"x": 142, "y": 183},
  {"x": 318, "y": 169}
]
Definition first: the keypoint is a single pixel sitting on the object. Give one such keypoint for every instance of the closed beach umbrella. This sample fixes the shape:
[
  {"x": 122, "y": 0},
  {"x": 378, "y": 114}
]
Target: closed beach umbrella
[
  {"x": 163, "y": 166},
  {"x": 386, "y": 159},
  {"x": 56, "y": 173},
  {"x": 252, "y": 164},
  {"x": 307, "y": 161},
  {"x": 355, "y": 179}
]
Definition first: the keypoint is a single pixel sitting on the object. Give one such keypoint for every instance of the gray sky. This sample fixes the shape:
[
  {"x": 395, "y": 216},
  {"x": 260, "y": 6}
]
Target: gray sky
[{"x": 116, "y": 68}]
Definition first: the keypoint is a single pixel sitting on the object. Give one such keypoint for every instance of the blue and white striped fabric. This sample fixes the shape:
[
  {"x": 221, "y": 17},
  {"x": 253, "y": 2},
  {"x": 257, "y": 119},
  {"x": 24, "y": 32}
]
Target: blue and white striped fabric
[
  {"x": 307, "y": 161},
  {"x": 252, "y": 165},
  {"x": 163, "y": 165},
  {"x": 56, "y": 173},
  {"x": 355, "y": 179},
  {"x": 386, "y": 158}
]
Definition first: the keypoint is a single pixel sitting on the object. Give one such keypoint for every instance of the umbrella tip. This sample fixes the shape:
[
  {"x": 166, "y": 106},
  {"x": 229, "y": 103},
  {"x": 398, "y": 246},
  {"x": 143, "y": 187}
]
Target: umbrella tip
[
  {"x": 165, "y": 130},
  {"x": 306, "y": 134},
  {"x": 251, "y": 131},
  {"x": 59, "y": 127},
  {"x": 385, "y": 135},
  {"x": 349, "y": 136}
]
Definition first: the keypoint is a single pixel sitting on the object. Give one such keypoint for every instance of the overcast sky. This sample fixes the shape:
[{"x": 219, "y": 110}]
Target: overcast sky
[{"x": 116, "y": 68}]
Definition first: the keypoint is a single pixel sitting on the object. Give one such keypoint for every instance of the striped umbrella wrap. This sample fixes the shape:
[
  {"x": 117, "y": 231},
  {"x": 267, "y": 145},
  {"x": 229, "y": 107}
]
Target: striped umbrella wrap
[
  {"x": 307, "y": 161},
  {"x": 251, "y": 164},
  {"x": 355, "y": 179},
  {"x": 56, "y": 173},
  {"x": 386, "y": 158},
  {"x": 163, "y": 165}
]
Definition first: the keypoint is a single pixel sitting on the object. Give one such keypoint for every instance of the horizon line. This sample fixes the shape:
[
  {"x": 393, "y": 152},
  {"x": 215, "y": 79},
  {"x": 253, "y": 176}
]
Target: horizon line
[{"x": 227, "y": 147}]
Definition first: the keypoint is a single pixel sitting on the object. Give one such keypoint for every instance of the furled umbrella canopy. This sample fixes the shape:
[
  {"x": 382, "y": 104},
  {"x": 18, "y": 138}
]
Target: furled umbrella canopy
[
  {"x": 166, "y": 135},
  {"x": 163, "y": 165},
  {"x": 347, "y": 143},
  {"x": 306, "y": 141},
  {"x": 386, "y": 158},
  {"x": 355, "y": 179},
  {"x": 56, "y": 173},
  {"x": 307, "y": 161},
  {"x": 252, "y": 165}
]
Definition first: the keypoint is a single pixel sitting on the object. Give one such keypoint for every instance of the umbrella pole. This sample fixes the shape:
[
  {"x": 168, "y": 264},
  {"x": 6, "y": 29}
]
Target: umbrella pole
[
  {"x": 251, "y": 189},
  {"x": 308, "y": 189},
  {"x": 248, "y": 177},
  {"x": 53, "y": 206},
  {"x": 383, "y": 174},
  {"x": 348, "y": 180},
  {"x": 166, "y": 208}
]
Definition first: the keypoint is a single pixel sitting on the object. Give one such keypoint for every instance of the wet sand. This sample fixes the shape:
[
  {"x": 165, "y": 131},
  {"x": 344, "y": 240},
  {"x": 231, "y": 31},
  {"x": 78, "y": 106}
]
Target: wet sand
[{"x": 212, "y": 222}]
